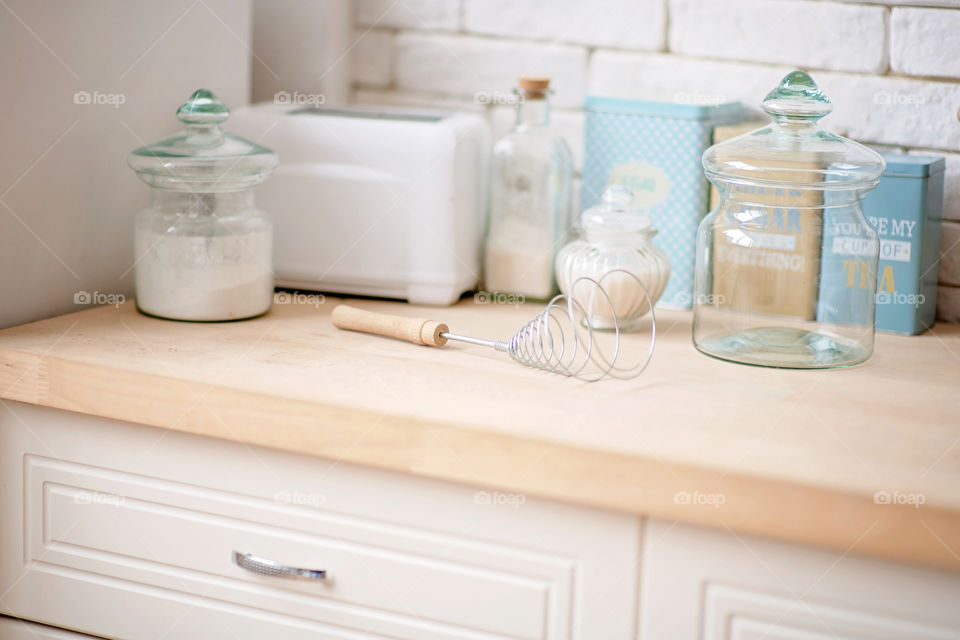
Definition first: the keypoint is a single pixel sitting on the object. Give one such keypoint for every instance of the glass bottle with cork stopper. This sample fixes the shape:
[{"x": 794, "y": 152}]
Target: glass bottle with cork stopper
[{"x": 530, "y": 198}]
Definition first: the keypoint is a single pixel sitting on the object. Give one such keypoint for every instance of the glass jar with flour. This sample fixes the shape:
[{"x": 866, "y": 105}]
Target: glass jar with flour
[
  {"x": 530, "y": 198},
  {"x": 203, "y": 250}
]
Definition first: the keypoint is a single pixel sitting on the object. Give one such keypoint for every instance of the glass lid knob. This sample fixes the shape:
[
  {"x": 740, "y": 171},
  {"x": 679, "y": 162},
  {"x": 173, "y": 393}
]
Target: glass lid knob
[
  {"x": 617, "y": 211},
  {"x": 617, "y": 197},
  {"x": 202, "y": 108},
  {"x": 797, "y": 96}
]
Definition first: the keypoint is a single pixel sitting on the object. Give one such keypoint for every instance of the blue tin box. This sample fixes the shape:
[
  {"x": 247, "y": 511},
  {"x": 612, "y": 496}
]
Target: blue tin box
[
  {"x": 905, "y": 211},
  {"x": 654, "y": 148}
]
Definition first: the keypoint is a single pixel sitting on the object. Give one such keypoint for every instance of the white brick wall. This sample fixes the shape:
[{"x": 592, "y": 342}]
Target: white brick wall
[
  {"x": 891, "y": 67},
  {"x": 891, "y": 110},
  {"x": 925, "y": 42},
  {"x": 824, "y": 35},
  {"x": 465, "y": 65},
  {"x": 667, "y": 77},
  {"x": 633, "y": 24}
]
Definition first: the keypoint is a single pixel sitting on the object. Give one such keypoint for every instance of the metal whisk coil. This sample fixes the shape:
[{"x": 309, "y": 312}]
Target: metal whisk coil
[{"x": 560, "y": 339}]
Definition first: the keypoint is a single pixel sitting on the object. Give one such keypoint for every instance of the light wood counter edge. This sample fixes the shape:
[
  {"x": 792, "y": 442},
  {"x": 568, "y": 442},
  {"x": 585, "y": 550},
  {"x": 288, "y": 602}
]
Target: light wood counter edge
[{"x": 815, "y": 516}]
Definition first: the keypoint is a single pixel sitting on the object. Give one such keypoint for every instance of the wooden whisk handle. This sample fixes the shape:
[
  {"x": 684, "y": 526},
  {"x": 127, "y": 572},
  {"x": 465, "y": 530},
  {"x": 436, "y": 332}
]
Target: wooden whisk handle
[{"x": 415, "y": 330}]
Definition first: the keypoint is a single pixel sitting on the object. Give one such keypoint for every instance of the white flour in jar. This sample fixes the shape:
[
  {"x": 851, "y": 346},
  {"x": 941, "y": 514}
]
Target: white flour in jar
[
  {"x": 625, "y": 301},
  {"x": 519, "y": 259},
  {"x": 632, "y": 280},
  {"x": 201, "y": 277}
]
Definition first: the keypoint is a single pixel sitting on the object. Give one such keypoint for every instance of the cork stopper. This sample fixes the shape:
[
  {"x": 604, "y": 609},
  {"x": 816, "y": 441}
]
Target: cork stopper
[{"x": 533, "y": 86}]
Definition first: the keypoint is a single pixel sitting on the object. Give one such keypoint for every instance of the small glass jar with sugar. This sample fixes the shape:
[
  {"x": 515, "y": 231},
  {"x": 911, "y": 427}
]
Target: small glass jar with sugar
[{"x": 614, "y": 244}]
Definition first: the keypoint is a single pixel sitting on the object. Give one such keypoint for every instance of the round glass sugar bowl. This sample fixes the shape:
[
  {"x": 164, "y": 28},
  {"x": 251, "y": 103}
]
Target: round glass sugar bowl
[
  {"x": 786, "y": 263},
  {"x": 614, "y": 237},
  {"x": 203, "y": 251}
]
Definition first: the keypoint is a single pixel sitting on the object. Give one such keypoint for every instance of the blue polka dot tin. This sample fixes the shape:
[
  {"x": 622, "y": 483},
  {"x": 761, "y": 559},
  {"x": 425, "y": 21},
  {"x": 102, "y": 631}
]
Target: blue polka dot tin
[{"x": 654, "y": 149}]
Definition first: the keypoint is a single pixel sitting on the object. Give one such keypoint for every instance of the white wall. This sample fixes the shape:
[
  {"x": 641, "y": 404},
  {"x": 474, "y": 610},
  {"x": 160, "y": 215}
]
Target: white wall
[
  {"x": 67, "y": 198},
  {"x": 301, "y": 47},
  {"x": 892, "y": 68}
]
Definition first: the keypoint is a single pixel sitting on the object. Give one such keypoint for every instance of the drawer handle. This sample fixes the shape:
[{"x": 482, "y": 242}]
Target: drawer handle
[{"x": 266, "y": 567}]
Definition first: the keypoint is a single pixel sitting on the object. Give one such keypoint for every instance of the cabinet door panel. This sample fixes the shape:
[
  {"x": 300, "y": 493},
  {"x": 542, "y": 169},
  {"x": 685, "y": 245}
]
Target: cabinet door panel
[{"x": 718, "y": 585}]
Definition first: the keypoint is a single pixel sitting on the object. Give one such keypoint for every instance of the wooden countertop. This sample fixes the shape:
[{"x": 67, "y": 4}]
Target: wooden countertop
[{"x": 793, "y": 455}]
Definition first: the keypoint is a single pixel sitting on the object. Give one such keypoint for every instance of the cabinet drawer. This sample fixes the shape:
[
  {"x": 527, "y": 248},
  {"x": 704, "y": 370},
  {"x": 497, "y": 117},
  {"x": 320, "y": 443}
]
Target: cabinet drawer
[
  {"x": 114, "y": 517},
  {"x": 713, "y": 585}
]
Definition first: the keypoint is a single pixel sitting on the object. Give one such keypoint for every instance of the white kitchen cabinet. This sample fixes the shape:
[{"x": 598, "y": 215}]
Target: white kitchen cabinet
[
  {"x": 719, "y": 585},
  {"x": 128, "y": 531}
]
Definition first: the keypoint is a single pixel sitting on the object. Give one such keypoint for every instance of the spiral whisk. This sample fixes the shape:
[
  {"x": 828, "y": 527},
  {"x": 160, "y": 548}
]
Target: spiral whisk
[{"x": 560, "y": 339}]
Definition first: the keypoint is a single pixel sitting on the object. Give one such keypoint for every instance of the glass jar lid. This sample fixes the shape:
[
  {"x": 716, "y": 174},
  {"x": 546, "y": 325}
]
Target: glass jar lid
[
  {"x": 794, "y": 150},
  {"x": 617, "y": 212},
  {"x": 203, "y": 158}
]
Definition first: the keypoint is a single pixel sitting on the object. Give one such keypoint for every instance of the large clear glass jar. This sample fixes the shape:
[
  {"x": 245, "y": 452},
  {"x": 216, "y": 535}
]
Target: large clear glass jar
[
  {"x": 530, "y": 198},
  {"x": 786, "y": 263},
  {"x": 615, "y": 243},
  {"x": 203, "y": 251}
]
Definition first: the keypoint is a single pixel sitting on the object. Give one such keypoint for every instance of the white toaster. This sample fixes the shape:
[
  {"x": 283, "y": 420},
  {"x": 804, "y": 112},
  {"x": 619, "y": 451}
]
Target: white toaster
[{"x": 377, "y": 202}]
